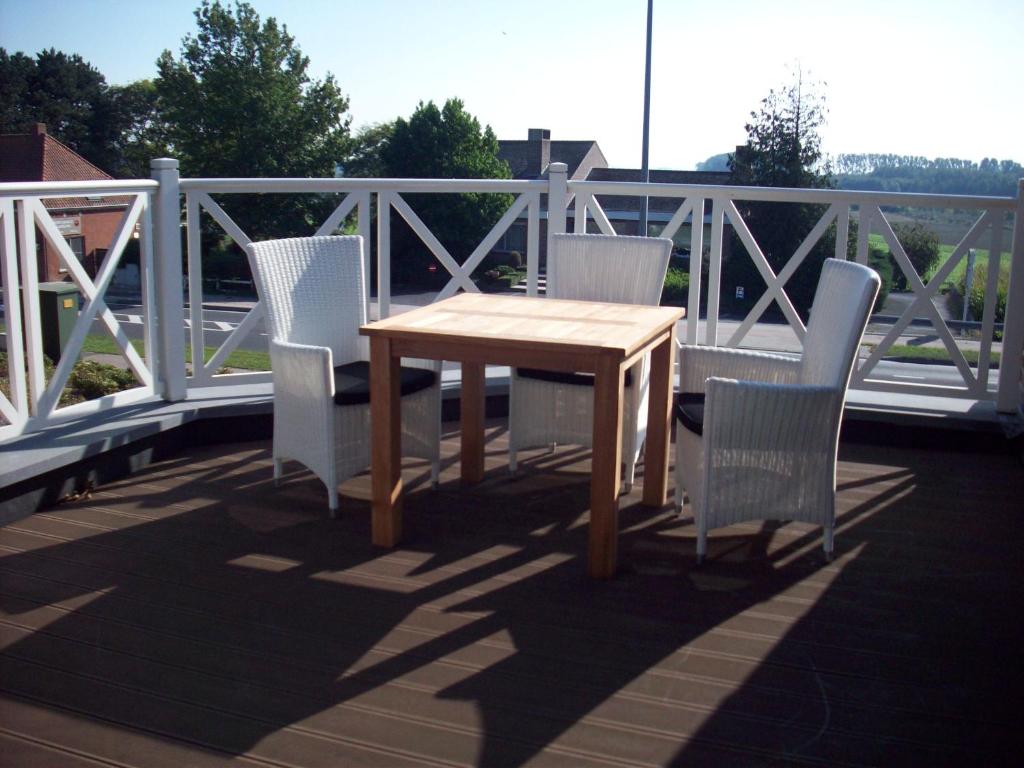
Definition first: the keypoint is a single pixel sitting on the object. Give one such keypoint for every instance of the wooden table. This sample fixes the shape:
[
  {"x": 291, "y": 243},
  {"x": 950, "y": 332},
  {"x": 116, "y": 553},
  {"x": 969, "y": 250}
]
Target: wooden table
[{"x": 582, "y": 336}]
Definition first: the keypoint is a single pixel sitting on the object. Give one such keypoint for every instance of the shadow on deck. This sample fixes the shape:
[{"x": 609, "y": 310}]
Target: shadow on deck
[{"x": 193, "y": 613}]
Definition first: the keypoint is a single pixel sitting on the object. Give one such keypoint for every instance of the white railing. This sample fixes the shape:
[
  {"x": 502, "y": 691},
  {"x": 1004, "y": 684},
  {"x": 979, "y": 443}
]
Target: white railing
[
  {"x": 33, "y": 401},
  {"x": 385, "y": 196},
  {"x": 154, "y": 211},
  {"x": 990, "y": 217}
]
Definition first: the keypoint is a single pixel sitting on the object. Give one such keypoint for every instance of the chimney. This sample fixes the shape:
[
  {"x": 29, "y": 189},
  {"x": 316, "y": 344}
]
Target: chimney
[
  {"x": 542, "y": 153},
  {"x": 39, "y": 129}
]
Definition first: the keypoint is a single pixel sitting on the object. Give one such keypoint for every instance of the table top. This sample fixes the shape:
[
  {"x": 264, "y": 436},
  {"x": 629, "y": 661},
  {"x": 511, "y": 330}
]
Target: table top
[{"x": 502, "y": 321}]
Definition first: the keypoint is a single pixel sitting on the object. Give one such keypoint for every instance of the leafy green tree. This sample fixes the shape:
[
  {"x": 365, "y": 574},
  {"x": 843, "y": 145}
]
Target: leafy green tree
[
  {"x": 16, "y": 74},
  {"x": 922, "y": 248},
  {"x": 364, "y": 159},
  {"x": 66, "y": 93},
  {"x": 142, "y": 133},
  {"x": 111, "y": 127},
  {"x": 783, "y": 149},
  {"x": 240, "y": 103},
  {"x": 446, "y": 143}
]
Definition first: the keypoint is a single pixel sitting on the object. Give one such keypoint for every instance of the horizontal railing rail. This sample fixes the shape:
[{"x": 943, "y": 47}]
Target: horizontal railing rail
[{"x": 153, "y": 213}]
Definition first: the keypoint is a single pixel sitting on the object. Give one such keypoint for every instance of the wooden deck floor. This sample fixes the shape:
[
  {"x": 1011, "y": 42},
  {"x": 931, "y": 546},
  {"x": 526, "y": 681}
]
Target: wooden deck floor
[{"x": 196, "y": 615}]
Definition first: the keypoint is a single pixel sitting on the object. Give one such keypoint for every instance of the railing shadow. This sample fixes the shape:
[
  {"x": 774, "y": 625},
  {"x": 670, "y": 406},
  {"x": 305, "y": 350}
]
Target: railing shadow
[{"x": 234, "y": 617}]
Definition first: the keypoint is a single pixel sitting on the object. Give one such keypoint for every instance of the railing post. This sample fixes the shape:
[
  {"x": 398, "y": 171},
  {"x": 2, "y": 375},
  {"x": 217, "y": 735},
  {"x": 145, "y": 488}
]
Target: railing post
[
  {"x": 558, "y": 198},
  {"x": 169, "y": 376},
  {"x": 1008, "y": 399},
  {"x": 383, "y": 255}
]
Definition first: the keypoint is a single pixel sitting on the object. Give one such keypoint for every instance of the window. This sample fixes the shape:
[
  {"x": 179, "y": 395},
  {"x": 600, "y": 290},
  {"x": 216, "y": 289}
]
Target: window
[
  {"x": 77, "y": 246},
  {"x": 514, "y": 239}
]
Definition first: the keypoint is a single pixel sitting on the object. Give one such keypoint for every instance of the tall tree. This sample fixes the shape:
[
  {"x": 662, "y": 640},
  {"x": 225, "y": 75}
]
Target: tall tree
[
  {"x": 446, "y": 143},
  {"x": 104, "y": 124},
  {"x": 63, "y": 91},
  {"x": 364, "y": 160},
  {"x": 783, "y": 149},
  {"x": 240, "y": 103}
]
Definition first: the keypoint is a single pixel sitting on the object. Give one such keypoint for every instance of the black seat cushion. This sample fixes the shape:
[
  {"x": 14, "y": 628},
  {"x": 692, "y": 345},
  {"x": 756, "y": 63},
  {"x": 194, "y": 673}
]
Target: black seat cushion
[
  {"x": 689, "y": 411},
  {"x": 561, "y": 377},
  {"x": 352, "y": 382}
]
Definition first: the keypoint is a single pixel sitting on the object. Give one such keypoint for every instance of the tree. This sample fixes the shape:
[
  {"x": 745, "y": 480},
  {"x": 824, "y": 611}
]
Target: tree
[
  {"x": 66, "y": 93},
  {"x": 783, "y": 149},
  {"x": 446, "y": 143},
  {"x": 364, "y": 159},
  {"x": 142, "y": 133},
  {"x": 101, "y": 123},
  {"x": 240, "y": 103}
]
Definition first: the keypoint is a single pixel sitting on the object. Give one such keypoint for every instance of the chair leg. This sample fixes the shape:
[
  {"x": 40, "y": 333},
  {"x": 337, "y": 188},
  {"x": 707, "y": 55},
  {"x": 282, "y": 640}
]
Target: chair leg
[
  {"x": 278, "y": 471},
  {"x": 332, "y": 502},
  {"x": 513, "y": 462},
  {"x": 828, "y": 541},
  {"x": 435, "y": 474}
]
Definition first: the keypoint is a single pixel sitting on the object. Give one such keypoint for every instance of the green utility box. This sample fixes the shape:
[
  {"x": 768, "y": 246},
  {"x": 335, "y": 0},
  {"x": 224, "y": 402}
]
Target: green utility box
[{"x": 58, "y": 311}]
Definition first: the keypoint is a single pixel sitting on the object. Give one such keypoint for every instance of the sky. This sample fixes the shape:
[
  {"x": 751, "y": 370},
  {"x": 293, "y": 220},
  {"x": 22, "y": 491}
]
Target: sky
[{"x": 938, "y": 78}]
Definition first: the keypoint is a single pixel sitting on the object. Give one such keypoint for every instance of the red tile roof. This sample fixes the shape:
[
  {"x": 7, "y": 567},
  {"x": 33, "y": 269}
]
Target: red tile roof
[{"x": 37, "y": 156}]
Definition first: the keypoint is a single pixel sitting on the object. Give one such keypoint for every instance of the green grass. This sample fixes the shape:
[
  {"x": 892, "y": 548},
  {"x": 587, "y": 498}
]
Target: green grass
[
  {"x": 932, "y": 354},
  {"x": 945, "y": 251},
  {"x": 241, "y": 358}
]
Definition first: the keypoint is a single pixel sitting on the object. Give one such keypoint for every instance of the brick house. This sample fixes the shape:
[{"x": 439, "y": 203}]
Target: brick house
[{"x": 87, "y": 223}]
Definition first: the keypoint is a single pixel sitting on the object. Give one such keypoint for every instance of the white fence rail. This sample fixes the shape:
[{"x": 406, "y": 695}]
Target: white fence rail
[
  {"x": 32, "y": 400},
  {"x": 153, "y": 214},
  {"x": 991, "y": 218}
]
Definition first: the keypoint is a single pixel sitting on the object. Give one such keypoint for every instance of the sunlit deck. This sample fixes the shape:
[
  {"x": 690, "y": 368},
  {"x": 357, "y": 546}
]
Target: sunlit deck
[{"x": 193, "y": 614}]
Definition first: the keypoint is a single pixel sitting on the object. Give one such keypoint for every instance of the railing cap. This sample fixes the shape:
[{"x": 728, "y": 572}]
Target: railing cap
[{"x": 163, "y": 164}]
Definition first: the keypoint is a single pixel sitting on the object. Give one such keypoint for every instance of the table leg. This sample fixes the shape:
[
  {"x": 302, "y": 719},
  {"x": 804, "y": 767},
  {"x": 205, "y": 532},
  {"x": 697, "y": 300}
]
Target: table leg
[
  {"x": 385, "y": 443},
  {"x": 603, "y": 535},
  {"x": 472, "y": 417},
  {"x": 659, "y": 422}
]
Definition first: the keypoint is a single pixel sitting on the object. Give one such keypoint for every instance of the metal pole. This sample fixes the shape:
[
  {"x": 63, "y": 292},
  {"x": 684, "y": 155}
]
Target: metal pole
[{"x": 645, "y": 171}]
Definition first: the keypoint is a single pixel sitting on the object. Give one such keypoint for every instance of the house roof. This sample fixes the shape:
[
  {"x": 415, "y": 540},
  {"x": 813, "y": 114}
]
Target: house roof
[
  {"x": 530, "y": 159},
  {"x": 661, "y": 204},
  {"x": 37, "y": 156}
]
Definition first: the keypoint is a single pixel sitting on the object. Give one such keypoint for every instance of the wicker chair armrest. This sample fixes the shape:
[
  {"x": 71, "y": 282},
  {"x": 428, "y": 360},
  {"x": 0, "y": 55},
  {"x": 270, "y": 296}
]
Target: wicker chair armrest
[
  {"x": 699, "y": 363},
  {"x": 303, "y": 374}
]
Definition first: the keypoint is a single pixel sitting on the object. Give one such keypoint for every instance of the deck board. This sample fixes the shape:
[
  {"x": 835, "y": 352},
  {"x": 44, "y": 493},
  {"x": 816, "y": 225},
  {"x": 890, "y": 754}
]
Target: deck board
[{"x": 194, "y": 614}]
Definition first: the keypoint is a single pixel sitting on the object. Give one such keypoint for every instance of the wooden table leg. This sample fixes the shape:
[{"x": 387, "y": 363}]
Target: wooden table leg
[
  {"x": 603, "y": 534},
  {"x": 659, "y": 422},
  {"x": 472, "y": 417},
  {"x": 385, "y": 443}
]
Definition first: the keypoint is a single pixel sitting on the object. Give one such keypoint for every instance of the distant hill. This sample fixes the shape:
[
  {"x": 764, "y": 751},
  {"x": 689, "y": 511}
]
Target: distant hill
[{"x": 947, "y": 176}]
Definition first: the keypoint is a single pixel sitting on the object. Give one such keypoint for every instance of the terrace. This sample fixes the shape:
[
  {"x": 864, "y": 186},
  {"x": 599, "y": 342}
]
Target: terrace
[{"x": 190, "y": 613}]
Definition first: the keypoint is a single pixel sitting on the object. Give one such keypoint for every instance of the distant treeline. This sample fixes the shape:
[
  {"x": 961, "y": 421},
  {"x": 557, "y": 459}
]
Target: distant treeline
[
  {"x": 943, "y": 175},
  {"x": 912, "y": 173}
]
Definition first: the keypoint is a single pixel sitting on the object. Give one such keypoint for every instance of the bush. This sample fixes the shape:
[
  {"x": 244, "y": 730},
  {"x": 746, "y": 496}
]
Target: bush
[
  {"x": 88, "y": 380},
  {"x": 879, "y": 260},
  {"x": 677, "y": 287},
  {"x": 92, "y": 379},
  {"x": 922, "y": 248},
  {"x": 976, "y": 301}
]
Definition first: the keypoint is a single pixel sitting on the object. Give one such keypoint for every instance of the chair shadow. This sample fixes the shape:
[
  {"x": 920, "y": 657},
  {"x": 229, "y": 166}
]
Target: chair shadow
[{"x": 252, "y": 604}]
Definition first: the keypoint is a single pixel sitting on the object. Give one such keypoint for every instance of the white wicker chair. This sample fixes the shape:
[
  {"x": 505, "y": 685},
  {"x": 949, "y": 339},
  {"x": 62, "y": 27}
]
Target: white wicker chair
[
  {"x": 314, "y": 289},
  {"x": 546, "y": 408},
  {"x": 757, "y": 433}
]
